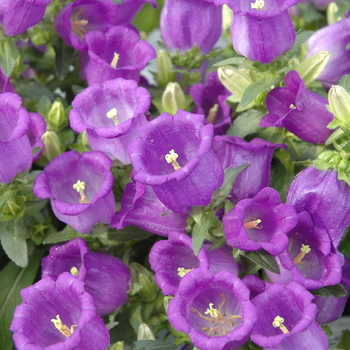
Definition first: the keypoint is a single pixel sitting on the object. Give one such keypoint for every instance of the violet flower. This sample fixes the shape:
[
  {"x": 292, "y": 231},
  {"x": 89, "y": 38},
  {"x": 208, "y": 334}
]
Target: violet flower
[
  {"x": 234, "y": 151},
  {"x": 58, "y": 315},
  {"x": 14, "y": 143},
  {"x": 286, "y": 319},
  {"x": 299, "y": 110},
  {"x": 106, "y": 277},
  {"x": 327, "y": 199},
  {"x": 214, "y": 310},
  {"x": 117, "y": 53},
  {"x": 210, "y": 99},
  {"x": 261, "y": 222},
  {"x": 37, "y": 127},
  {"x": 174, "y": 156},
  {"x": 261, "y": 30},
  {"x": 142, "y": 208},
  {"x": 185, "y": 23},
  {"x": 80, "y": 189},
  {"x": 111, "y": 113}
]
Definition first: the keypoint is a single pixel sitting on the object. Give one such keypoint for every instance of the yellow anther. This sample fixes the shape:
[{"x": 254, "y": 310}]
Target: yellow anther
[
  {"x": 171, "y": 159},
  {"x": 212, "y": 312},
  {"x": 278, "y": 323},
  {"x": 79, "y": 24},
  {"x": 251, "y": 222},
  {"x": 74, "y": 271},
  {"x": 80, "y": 187},
  {"x": 183, "y": 271},
  {"x": 115, "y": 60},
  {"x": 212, "y": 113},
  {"x": 113, "y": 114},
  {"x": 292, "y": 106},
  {"x": 63, "y": 328},
  {"x": 305, "y": 249},
  {"x": 257, "y": 5}
]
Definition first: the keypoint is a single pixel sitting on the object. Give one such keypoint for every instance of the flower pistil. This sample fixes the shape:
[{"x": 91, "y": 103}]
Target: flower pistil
[
  {"x": 278, "y": 323},
  {"x": 257, "y": 5},
  {"x": 305, "y": 249},
  {"x": 79, "y": 24},
  {"x": 113, "y": 114},
  {"x": 212, "y": 113},
  {"x": 115, "y": 60},
  {"x": 183, "y": 271},
  {"x": 80, "y": 187},
  {"x": 62, "y": 327},
  {"x": 171, "y": 159},
  {"x": 252, "y": 222}
]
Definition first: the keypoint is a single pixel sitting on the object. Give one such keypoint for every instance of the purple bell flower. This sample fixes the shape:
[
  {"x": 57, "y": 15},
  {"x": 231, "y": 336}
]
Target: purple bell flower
[
  {"x": 210, "y": 99},
  {"x": 37, "y": 127},
  {"x": 261, "y": 30},
  {"x": 299, "y": 110},
  {"x": 214, "y": 310},
  {"x": 324, "y": 197},
  {"x": 234, "y": 151},
  {"x": 106, "y": 277},
  {"x": 111, "y": 113},
  {"x": 174, "y": 156},
  {"x": 80, "y": 189},
  {"x": 185, "y": 23},
  {"x": 14, "y": 143},
  {"x": 58, "y": 315},
  {"x": 260, "y": 222},
  {"x": 117, "y": 53},
  {"x": 142, "y": 208}
]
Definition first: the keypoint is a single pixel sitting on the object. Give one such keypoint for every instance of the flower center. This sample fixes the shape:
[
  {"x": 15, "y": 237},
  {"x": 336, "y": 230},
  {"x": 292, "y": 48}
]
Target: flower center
[
  {"x": 278, "y": 323},
  {"x": 212, "y": 113},
  {"x": 292, "y": 106},
  {"x": 305, "y": 249},
  {"x": 112, "y": 114},
  {"x": 74, "y": 271},
  {"x": 257, "y": 5},
  {"x": 252, "y": 222},
  {"x": 79, "y": 24},
  {"x": 62, "y": 327},
  {"x": 183, "y": 271},
  {"x": 80, "y": 187},
  {"x": 171, "y": 159},
  {"x": 115, "y": 60},
  {"x": 220, "y": 323}
]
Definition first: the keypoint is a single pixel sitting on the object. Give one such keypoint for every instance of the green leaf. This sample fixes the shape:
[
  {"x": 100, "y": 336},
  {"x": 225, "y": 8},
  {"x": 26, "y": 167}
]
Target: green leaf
[
  {"x": 32, "y": 207},
  {"x": 32, "y": 89},
  {"x": 345, "y": 82},
  {"x": 344, "y": 342},
  {"x": 128, "y": 233},
  {"x": 200, "y": 229},
  {"x": 12, "y": 280},
  {"x": 136, "y": 316},
  {"x": 66, "y": 235},
  {"x": 299, "y": 40},
  {"x": 263, "y": 259},
  {"x": 5, "y": 194},
  {"x": 233, "y": 60},
  {"x": 8, "y": 56},
  {"x": 64, "y": 58},
  {"x": 246, "y": 123},
  {"x": 337, "y": 291},
  {"x": 153, "y": 345}
]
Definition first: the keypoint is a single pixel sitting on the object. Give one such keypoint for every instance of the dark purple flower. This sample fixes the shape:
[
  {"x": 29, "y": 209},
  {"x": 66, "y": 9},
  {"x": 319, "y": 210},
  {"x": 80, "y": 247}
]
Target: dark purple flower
[
  {"x": 111, "y": 113},
  {"x": 37, "y": 128},
  {"x": 58, "y": 315},
  {"x": 174, "y": 156},
  {"x": 210, "y": 100},
  {"x": 80, "y": 189},
  {"x": 185, "y": 23},
  {"x": 14, "y": 143},
  {"x": 234, "y": 151},
  {"x": 117, "y": 53},
  {"x": 260, "y": 222},
  {"x": 261, "y": 30},
  {"x": 299, "y": 110},
  {"x": 327, "y": 199},
  {"x": 142, "y": 208},
  {"x": 214, "y": 310},
  {"x": 106, "y": 277}
]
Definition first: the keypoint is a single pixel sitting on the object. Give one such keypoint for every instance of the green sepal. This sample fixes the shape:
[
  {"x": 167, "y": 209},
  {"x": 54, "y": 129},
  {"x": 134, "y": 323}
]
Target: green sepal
[
  {"x": 336, "y": 290},
  {"x": 264, "y": 259}
]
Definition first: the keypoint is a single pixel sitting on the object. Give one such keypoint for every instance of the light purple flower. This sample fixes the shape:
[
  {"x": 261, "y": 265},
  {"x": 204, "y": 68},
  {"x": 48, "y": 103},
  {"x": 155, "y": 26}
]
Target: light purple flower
[
  {"x": 299, "y": 110},
  {"x": 261, "y": 222},
  {"x": 79, "y": 207},
  {"x": 174, "y": 156},
  {"x": 65, "y": 300},
  {"x": 112, "y": 113},
  {"x": 37, "y": 127}
]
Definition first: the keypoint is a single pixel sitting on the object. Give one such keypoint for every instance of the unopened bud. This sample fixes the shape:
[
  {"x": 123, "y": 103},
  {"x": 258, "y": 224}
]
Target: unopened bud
[
  {"x": 173, "y": 98},
  {"x": 226, "y": 17},
  {"x": 56, "y": 117},
  {"x": 332, "y": 10},
  {"x": 312, "y": 67},
  {"x": 51, "y": 147},
  {"x": 234, "y": 80},
  {"x": 339, "y": 102},
  {"x": 145, "y": 333},
  {"x": 164, "y": 68},
  {"x": 13, "y": 209},
  {"x": 119, "y": 345},
  {"x": 167, "y": 301}
]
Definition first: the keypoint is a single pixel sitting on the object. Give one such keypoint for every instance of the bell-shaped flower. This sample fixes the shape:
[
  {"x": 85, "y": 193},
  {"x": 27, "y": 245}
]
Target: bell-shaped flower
[
  {"x": 37, "y": 127},
  {"x": 257, "y": 154},
  {"x": 185, "y": 23},
  {"x": 106, "y": 277},
  {"x": 111, "y": 113},
  {"x": 58, "y": 315},
  {"x": 261, "y": 222},
  {"x": 174, "y": 156},
  {"x": 261, "y": 30},
  {"x": 117, "y": 53},
  {"x": 14, "y": 143},
  {"x": 309, "y": 259},
  {"x": 210, "y": 99},
  {"x": 299, "y": 110},
  {"x": 286, "y": 319},
  {"x": 327, "y": 199},
  {"x": 213, "y": 309},
  {"x": 142, "y": 208},
  {"x": 80, "y": 189}
]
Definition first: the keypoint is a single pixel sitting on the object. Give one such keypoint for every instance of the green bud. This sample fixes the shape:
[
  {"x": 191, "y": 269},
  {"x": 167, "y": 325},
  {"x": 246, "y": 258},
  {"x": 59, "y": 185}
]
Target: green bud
[
  {"x": 339, "y": 102},
  {"x": 167, "y": 301},
  {"x": 234, "y": 80},
  {"x": 226, "y": 17},
  {"x": 332, "y": 10},
  {"x": 13, "y": 209},
  {"x": 145, "y": 333},
  {"x": 311, "y": 68},
  {"x": 173, "y": 98},
  {"x": 56, "y": 117},
  {"x": 119, "y": 345},
  {"x": 51, "y": 147},
  {"x": 343, "y": 165},
  {"x": 148, "y": 292},
  {"x": 164, "y": 68}
]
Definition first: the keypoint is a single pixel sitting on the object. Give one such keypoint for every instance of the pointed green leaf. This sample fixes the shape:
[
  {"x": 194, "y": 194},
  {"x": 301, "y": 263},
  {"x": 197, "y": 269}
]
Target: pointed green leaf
[
  {"x": 246, "y": 123},
  {"x": 201, "y": 229},
  {"x": 64, "y": 58},
  {"x": 233, "y": 60},
  {"x": 128, "y": 233},
  {"x": 153, "y": 345},
  {"x": 263, "y": 259},
  {"x": 344, "y": 342},
  {"x": 8, "y": 56},
  {"x": 345, "y": 82},
  {"x": 67, "y": 234},
  {"x": 5, "y": 194},
  {"x": 337, "y": 291}
]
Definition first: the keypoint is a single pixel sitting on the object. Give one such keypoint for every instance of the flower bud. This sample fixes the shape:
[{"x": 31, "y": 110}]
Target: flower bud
[
  {"x": 164, "y": 68},
  {"x": 167, "y": 301},
  {"x": 234, "y": 80},
  {"x": 119, "y": 345},
  {"x": 148, "y": 292},
  {"x": 173, "y": 98},
  {"x": 332, "y": 10},
  {"x": 13, "y": 209},
  {"x": 51, "y": 147},
  {"x": 145, "y": 333},
  {"x": 311, "y": 68},
  {"x": 226, "y": 17},
  {"x": 339, "y": 101},
  {"x": 56, "y": 117}
]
